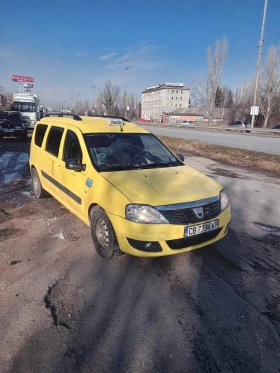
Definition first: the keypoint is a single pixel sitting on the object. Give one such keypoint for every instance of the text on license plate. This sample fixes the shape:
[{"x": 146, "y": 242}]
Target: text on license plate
[{"x": 201, "y": 228}]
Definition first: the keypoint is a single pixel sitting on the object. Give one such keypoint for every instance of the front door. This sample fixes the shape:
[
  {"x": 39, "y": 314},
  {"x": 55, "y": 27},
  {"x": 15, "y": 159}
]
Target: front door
[{"x": 74, "y": 182}]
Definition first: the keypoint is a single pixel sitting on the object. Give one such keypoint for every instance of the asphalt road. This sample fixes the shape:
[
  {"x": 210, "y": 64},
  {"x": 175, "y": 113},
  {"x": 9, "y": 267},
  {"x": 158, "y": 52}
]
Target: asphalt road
[
  {"x": 270, "y": 145},
  {"x": 64, "y": 309}
]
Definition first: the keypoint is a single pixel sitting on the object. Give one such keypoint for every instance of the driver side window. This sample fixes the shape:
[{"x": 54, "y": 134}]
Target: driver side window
[{"x": 72, "y": 148}]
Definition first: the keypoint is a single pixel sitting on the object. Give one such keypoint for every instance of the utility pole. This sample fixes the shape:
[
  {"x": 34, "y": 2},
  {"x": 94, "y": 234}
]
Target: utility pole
[
  {"x": 125, "y": 92},
  {"x": 259, "y": 62}
]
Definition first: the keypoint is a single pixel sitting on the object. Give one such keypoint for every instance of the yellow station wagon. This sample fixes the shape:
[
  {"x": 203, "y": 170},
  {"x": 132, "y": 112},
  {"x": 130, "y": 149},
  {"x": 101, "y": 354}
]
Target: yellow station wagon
[{"x": 135, "y": 194}]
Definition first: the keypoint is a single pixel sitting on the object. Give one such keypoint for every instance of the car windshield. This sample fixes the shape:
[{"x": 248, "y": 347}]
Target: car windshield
[
  {"x": 24, "y": 106},
  {"x": 120, "y": 151},
  {"x": 6, "y": 117}
]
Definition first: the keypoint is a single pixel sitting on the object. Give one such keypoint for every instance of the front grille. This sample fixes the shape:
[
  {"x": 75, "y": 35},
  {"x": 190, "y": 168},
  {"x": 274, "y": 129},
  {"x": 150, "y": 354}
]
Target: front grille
[
  {"x": 187, "y": 216},
  {"x": 182, "y": 243}
]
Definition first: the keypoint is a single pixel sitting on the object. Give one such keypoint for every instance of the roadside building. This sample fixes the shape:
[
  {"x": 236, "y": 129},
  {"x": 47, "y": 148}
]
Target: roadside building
[
  {"x": 196, "y": 114},
  {"x": 163, "y": 98}
]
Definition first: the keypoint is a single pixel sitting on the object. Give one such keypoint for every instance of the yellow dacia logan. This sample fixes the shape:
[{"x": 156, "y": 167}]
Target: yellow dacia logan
[{"x": 135, "y": 194}]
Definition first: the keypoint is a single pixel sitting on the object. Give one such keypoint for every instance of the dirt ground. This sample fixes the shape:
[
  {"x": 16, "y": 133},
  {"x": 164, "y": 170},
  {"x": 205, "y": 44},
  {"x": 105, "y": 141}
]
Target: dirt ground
[
  {"x": 231, "y": 156},
  {"x": 64, "y": 309}
]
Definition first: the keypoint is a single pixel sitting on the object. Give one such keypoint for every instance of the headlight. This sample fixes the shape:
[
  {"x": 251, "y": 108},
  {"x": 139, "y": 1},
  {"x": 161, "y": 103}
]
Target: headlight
[
  {"x": 144, "y": 214},
  {"x": 224, "y": 200}
]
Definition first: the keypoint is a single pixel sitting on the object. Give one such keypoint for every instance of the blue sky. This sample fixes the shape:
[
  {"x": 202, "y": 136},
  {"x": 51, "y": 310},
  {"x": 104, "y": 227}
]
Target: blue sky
[{"x": 68, "y": 46}]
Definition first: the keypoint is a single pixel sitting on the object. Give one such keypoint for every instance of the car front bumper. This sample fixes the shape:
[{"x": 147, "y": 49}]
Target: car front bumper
[
  {"x": 14, "y": 132},
  {"x": 151, "y": 240}
]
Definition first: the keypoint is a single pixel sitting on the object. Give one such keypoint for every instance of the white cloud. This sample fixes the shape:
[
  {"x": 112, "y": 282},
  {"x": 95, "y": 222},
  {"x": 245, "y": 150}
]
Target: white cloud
[
  {"x": 140, "y": 58},
  {"x": 107, "y": 56},
  {"x": 123, "y": 58},
  {"x": 82, "y": 54}
]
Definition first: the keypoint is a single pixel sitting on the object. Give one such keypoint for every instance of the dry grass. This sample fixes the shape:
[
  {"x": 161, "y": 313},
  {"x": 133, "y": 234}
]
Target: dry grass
[{"x": 231, "y": 156}]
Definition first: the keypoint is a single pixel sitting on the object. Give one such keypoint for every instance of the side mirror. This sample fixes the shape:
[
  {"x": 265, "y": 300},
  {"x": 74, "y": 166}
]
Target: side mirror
[
  {"x": 75, "y": 165},
  {"x": 181, "y": 157}
]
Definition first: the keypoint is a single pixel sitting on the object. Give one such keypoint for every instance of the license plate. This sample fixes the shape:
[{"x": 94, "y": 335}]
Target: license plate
[
  {"x": 5, "y": 130},
  {"x": 201, "y": 228}
]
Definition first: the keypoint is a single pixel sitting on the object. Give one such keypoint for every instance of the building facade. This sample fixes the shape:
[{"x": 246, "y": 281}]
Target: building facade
[{"x": 163, "y": 98}]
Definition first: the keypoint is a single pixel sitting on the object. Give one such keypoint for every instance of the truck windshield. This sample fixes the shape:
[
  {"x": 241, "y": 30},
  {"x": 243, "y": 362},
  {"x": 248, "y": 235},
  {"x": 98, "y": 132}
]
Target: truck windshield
[
  {"x": 24, "y": 106},
  {"x": 120, "y": 151}
]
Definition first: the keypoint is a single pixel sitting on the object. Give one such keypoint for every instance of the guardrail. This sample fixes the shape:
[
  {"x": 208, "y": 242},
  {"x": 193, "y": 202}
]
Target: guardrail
[{"x": 259, "y": 131}]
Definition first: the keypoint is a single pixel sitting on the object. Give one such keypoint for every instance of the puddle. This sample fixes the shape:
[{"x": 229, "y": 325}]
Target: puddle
[
  {"x": 267, "y": 228},
  {"x": 271, "y": 240},
  {"x": 226, "y": 173}
]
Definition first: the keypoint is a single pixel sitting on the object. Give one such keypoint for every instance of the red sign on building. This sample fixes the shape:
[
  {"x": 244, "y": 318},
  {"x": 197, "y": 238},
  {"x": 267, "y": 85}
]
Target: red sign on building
[{"x": 19, "y": 78}]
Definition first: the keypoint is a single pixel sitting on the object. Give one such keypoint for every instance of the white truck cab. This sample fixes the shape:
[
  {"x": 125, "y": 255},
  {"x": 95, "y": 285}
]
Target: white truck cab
[{"x": 29, "y": 106}]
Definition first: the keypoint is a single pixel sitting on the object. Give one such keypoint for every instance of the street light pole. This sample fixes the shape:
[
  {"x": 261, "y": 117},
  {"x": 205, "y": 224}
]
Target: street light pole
[
  {"x": 125, "y": 92},
  {"x": 93, "y": 86},
  {"x": 259, "y": 61}
]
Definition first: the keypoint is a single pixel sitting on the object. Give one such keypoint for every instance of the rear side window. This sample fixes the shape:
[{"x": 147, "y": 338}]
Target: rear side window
[
  {"x": 40, "y": 134},
  {"x": 54, "y": 140}
]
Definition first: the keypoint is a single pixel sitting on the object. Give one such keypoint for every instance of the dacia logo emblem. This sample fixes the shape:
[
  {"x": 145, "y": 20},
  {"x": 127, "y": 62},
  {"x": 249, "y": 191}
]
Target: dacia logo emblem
[{"x": 199, "y": 212}]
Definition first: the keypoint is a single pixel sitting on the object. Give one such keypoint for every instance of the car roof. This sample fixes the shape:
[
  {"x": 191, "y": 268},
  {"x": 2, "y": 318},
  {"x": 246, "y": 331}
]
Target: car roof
[{"x": 92, "y": 124}]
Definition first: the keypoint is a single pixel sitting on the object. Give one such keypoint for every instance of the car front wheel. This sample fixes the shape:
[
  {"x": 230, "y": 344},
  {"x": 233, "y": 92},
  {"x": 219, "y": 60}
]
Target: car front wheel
[{"x": 103, "y": 234}]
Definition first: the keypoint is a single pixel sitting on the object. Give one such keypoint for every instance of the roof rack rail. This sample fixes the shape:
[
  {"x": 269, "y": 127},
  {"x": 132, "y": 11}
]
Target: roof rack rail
[
  {"x": 109, "y": 116},
  {"x": 75, "y": 117}
]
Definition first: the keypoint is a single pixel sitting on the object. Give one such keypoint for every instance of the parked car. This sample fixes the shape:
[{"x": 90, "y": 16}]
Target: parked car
[
  {"x": 187, "y": 122},
  {"x": 240, "y": 123},
  {"x": 276, "y": 127},
  {"x": 12, "y": 125},
  {"x": 136, "y": 195}
]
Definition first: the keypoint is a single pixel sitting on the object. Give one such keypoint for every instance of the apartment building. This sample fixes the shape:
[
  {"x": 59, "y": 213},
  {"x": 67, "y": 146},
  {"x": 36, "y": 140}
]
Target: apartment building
[{"x": 163, "y": 98}]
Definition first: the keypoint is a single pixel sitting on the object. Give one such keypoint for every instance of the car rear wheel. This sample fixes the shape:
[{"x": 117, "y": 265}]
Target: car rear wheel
[
  {"x": 39, "y": 191},
  {"x": 103, "y": 234}
]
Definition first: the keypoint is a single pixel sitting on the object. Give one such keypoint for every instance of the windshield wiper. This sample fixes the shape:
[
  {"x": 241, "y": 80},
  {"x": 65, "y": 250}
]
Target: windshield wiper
[
  {"x": 118, "y": 167},
  {"x": 159, "y": 165}
]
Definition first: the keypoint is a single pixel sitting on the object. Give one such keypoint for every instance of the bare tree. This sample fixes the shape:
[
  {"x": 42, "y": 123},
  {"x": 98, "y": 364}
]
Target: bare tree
[
  {"x": 242, "y": 100},
  {"x": 204, "y": 90},
  {"x": 199, "y": 92},
  {"x": 214, "y": 73},
  {"x": 270, "y": 84},
  {"x": 79, "y": 108},
  {"x": 110, "y": 97}
]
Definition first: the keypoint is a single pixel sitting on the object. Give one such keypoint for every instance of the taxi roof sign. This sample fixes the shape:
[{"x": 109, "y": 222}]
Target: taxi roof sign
[{"x": 115, "y": 122}]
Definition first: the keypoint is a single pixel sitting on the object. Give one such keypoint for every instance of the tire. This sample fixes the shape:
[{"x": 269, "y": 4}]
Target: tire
[
  {"x": 103, "y": 235},
  {"x": 24, "y": 137},
  {"x": 38, "y": 190}
]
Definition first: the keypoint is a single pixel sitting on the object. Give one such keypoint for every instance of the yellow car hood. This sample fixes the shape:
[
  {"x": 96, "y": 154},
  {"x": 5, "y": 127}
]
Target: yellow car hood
[{"x": 163, "y": 186}]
